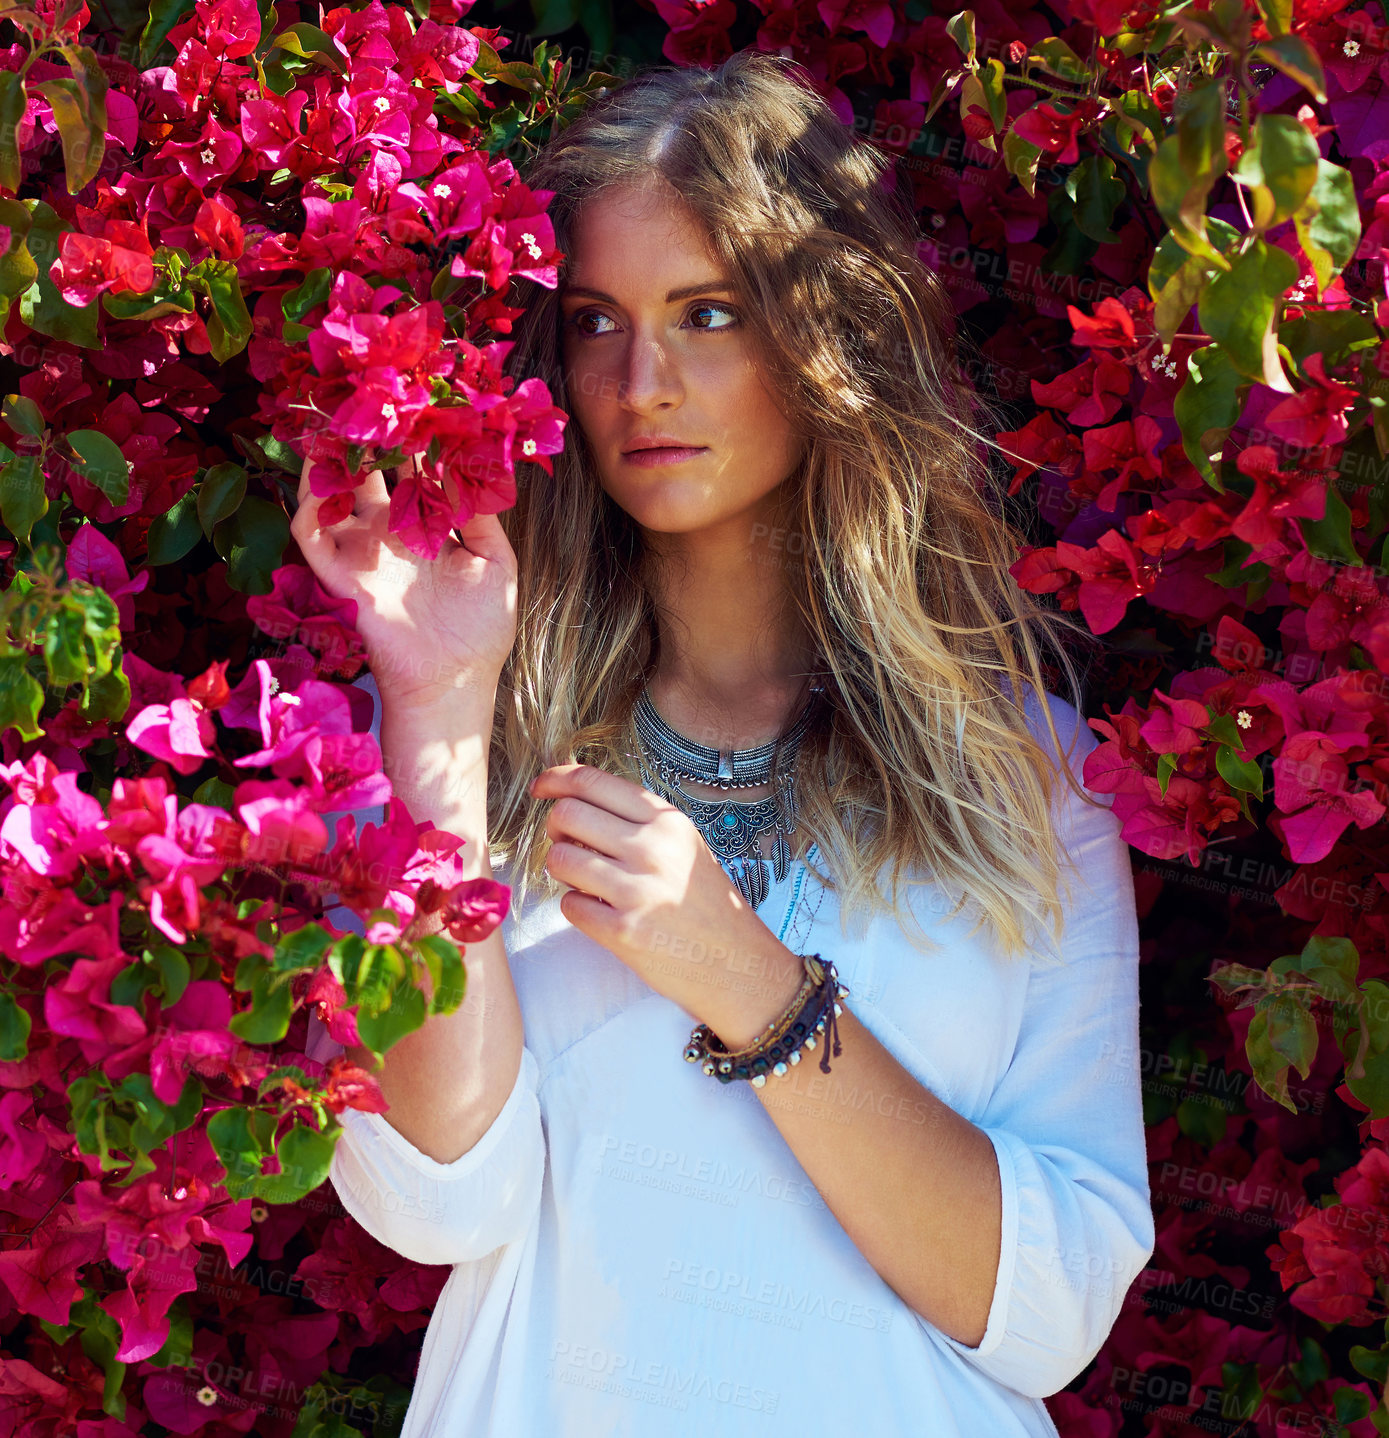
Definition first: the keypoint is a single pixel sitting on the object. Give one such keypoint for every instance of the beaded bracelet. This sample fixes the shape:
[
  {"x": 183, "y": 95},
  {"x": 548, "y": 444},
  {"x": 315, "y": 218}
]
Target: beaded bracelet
[{"x": 780, "y": 1043}]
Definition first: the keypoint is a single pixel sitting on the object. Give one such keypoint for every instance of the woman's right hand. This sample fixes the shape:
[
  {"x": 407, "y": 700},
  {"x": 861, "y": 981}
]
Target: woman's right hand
[{"x": 432, "y": 628}]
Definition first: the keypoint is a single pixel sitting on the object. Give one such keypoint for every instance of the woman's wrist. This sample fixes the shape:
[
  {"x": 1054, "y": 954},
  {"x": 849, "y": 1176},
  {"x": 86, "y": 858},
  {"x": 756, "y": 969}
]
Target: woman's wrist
[{"x": 757, "y": 996}]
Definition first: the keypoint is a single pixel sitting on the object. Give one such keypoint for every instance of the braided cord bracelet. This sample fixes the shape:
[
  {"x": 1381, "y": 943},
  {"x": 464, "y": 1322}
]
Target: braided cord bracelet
[{"x": 812, "y": 1012}]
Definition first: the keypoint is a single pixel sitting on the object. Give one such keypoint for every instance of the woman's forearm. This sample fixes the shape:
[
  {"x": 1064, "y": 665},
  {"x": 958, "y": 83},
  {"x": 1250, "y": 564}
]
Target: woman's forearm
[{"x": 447, "y": 1081}]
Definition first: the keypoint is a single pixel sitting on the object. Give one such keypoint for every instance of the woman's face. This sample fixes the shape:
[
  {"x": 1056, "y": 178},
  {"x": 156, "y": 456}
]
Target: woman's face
[{"x": 655, "y": 345}]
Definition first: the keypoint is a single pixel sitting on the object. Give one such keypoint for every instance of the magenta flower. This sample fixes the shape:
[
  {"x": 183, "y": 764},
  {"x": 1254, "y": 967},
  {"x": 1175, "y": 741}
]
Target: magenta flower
[
  {"x": 53, "y": 825},
  {"x": 180, "y": 733}
]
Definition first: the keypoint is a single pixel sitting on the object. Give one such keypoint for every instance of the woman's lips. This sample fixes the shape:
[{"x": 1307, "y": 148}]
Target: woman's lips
[{"x": 665, "y": 455}]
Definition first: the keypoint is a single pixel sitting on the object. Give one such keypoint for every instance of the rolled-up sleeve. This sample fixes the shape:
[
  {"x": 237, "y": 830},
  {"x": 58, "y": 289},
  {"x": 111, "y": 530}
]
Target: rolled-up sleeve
[
  {"x": 434, "y": 1212},
  {"x": 1066, "y": 1123}
]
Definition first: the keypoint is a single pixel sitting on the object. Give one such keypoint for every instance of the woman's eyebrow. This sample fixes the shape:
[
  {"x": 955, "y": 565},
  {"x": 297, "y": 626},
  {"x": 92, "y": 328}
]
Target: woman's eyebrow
[{"x": 683, "y": 293}]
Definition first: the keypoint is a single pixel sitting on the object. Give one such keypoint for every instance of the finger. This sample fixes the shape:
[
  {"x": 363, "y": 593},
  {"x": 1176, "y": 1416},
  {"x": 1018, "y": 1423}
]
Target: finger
[
  {"x": 582, "y": 869},
  {"x": 607, "y": 791},
  {"x": 575, "y": 819},
  {"x": 315, "y": 542},
  {"x": 483, "y": 535},
  {"x": 372, "y": 490}
]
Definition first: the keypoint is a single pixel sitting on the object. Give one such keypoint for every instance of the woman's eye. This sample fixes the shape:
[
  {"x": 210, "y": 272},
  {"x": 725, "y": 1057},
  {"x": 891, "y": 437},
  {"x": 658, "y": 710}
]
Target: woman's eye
[
  {"x": 579, "y": 319},
  {"x": 698, "y": 309}
]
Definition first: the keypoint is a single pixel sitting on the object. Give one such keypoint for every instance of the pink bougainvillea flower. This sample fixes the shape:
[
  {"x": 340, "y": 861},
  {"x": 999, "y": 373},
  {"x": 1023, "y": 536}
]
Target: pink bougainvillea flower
[
  {"x": 1110, "y": 327},
  {"x": 179, "y": 861},
  {"x": 1279, "y": 495},
  {"x": 93, "y": 558},
  {"x": 1042, "y": 443},
  {"x": 1088, "y": 394},
  {"x": 299, "y": 608},
  {"x": 104, "y": 255},
  {"x": 1055, "y": 131},
  {"x": 1173, "y": 725},
  {"x": 1314, "y": 416},
  {"x": 43, "y": 1277},
  {"x": 79, "y": 1005},
  {"x": 52, "y": 824},
  {"x": 328, "y": 999},
  {"x": 1312, "y": 789},
  {"x": 281, "y": 825},
  {"x": 181, "y": 733}
]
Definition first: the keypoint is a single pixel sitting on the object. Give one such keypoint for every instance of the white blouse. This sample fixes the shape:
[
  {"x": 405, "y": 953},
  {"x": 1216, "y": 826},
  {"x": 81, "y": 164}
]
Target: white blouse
[{"x": 636, "y": 1250}]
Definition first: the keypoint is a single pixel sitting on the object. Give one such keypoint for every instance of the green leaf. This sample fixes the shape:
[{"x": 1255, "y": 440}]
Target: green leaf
[
  {"x": 23, "y": 501},
  {"x": 447, "y": 978},
  {"x": 17, "y": 268},
  {"x": 1242, "y": 775},
  {"x": 41, "y": 307},
  {"x": 1278, "y": 15},
  {"x": 309, "y": 42},
  {"x": 1170, "y": 256},
  {"x": 14, "y": 100},
  {"x": 381, "y": 1029},
  {"x": 174, "y": 973},
  {"x": 1297, "y": 59},
  {"x": 1020, "y": 158},
  {"x": 216, "y": 792},
  {"x": 317, "y": 285},
  {"x": 973, "y": 97},
  {"x": 960, "y": 28},
  {"x": 303, "y": 949},
  {"x": 220, "y": 495},
  {"x": 163, "y": 16},
  {"x": 107, "y": 696},
  {"x": 173, "y": 533},
  {"x": 1140, "y": 114},
  {"x": 1331, "y": 537},
  {"x": 1166, "y": 767},
  {"x": 1278, "y": 168},
  {"x": 995, "y": 99},
  {"x": 253, "y": 543},
  {"x": 21, "y": 697},
  {"x": 1239, "y": 310},
  {"x": 1269, "y": 1065},
  {"x": 1056, "y": 57},
  {"x": 1206, "y": 408},
  {"x": 553, "y": 16},
  {"x": 229, "y": 324},
  {"x": 1333, "y": 964},
  {"x": 1182, "y": 290},
  {"x": 1292, "y": 1031},
  {"x": 267, "y": 1020},
  {"x": 15, "y": 1025},
  {"x": 21, "y": 413},
  {"x": 1328, "y": 225},
  {"x": 305, "y": 1155},
  {"x": 238, "y": 1147},
  {"x": 1187, "y": 164},
  {"x": 101, "y": 463},
  {"x": 64, "y": 653},
  {"x": 1097, "y": 193},
  {"x": 1203, "y": 1122},
  {"x": 79, "y": 110},
  {"x": 1331, "y": 334},
  {"x": 1372, "y": 1363}
]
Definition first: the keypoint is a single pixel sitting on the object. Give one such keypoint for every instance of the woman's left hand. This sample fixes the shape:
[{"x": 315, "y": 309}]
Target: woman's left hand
[{"x": 647, "y": 887}]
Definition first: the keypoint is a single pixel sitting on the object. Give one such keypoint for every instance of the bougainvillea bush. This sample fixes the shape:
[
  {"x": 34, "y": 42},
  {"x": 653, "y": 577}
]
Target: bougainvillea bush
[
  {"x": 234, "y": 238},
  {"x": 293, "y": 240}
]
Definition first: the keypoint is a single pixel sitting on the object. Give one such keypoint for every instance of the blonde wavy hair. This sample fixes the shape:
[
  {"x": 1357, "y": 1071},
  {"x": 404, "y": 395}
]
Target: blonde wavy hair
[{"x": 923, "y": 759}]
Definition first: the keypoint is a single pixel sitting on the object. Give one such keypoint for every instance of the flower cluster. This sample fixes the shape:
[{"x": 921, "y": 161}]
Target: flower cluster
[{"x": 1168, "y": 226}]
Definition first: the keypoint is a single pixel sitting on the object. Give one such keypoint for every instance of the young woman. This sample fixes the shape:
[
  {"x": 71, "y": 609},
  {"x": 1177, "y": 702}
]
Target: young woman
[{"x": 751, "y": 651}]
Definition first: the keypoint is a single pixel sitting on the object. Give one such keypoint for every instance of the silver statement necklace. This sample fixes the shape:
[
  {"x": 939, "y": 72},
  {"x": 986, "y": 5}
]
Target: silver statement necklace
[{"x": 731, "y": 828}]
